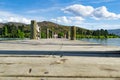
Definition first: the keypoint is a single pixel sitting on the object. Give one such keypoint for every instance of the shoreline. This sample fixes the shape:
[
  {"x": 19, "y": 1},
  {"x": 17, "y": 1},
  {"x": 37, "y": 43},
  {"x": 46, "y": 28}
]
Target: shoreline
[
  {"x": 103, "y": 41},
  {"x": 57, "y": 44}
]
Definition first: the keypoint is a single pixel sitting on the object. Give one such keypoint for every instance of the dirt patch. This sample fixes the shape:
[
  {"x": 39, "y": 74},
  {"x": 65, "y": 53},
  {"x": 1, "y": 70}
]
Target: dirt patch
[
  {"x": 61, "y": 61},
  {"x": 109, "y": 69}
]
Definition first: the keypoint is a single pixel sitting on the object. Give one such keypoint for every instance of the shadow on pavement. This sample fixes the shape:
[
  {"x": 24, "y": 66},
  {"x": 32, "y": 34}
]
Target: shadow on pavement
[{"x": 64, "y": 53}]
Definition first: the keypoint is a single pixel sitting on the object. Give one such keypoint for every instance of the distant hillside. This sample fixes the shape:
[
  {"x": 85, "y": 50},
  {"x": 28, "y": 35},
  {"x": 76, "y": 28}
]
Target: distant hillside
[
  {"x": 44, "y": 25},
  {"x": 1, "y": 25},
  {"x": 115, "y": 31},
  {"x": 16, "y": 23},
  {"x": 12, "y": 23},
  {"x": 57, "y": 28},
  {"x": 53, "y": 26},
  {"x": 13, "y": 27}
]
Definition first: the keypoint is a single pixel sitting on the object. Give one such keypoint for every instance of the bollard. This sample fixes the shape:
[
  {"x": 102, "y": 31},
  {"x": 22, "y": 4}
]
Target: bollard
[
  {"x": 47, "y": 33},
  {"x": 68, "y": 35},
  {"x": 33, "y": 29},
  {"x": 73, "y": 33}
]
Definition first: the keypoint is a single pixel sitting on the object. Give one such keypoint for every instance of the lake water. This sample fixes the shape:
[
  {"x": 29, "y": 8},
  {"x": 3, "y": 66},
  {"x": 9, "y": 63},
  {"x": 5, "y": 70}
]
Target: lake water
[
  {"x": 110, "y": 41},
  {"x": 3, "y": 39}
]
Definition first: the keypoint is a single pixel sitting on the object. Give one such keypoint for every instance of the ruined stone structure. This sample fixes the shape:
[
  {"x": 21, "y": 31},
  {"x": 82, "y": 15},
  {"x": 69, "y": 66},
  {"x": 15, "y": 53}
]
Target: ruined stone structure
[
  {"x": 52, "y": 34},
  {"x": 35, "y": 30},
  {"x": 47, "y": 33},
  {"x": 73, "y": 33},
  {"x": 38, "y": 32},
  {"x": 68, "y": 35}
]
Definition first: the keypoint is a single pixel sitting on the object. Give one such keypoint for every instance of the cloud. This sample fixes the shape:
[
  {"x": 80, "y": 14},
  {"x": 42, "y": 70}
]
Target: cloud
[
  {"x": 68, "y": 20},
  {"x": 95, "y": 25},
  {"x": 37, "y": 11},
  {"x": 62, "y": 19},
  {"x": 103, "y": 13},
  {"x": 79, "y": 21},
  {"x": 79, "y": 10},
  {"x": 90, "y": 12},
  {"x": 76, "y": 18},
  {"x": 10, "y": 17},
  {"x": 102, "y": 1}
]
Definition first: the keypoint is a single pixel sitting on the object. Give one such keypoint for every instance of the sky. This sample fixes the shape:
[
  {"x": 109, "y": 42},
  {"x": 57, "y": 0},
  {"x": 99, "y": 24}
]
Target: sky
[{"x": 90, "y": 14}]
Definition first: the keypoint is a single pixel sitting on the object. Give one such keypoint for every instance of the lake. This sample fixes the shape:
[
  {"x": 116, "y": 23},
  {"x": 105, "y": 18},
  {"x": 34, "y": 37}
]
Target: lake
[
  {"x": 110, "y": 41},
  {"x": 3, "y": 39}
]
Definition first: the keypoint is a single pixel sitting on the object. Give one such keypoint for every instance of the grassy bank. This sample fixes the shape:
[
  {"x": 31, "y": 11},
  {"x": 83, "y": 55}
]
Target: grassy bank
[{"x": 96, "y": 37}]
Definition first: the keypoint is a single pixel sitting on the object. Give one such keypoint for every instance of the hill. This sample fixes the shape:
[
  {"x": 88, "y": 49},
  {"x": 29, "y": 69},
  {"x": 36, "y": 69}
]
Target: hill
[
  {"x": 53, "y": 27},
  {"x": 11, "y": 29},
  {"x": 56, "y": 28},
  {"x": 12, "y": 23},
  {"x": 1, "y": 25},
  {"x": 44, "y": 25},
  {"x": 114, "y": 31}
]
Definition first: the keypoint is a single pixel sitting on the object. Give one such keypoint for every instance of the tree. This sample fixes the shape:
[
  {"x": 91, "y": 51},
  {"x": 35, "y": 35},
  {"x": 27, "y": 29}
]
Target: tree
[
  {"x": 43, "y": 35},
  {"x": 88, "y": 32},
  {"x": 21, "y": 28},
  {"x": 20, "y": 34},
  {"x": 5, "y": 31},
  {"x": 102, "y": 32},
  {"x": 60, "y": 35},
  {"x": 106, "y": 32}
]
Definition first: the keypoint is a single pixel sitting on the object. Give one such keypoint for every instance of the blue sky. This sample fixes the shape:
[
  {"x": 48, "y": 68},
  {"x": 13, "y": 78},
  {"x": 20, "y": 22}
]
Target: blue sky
[{"x": 90, "y": 14}]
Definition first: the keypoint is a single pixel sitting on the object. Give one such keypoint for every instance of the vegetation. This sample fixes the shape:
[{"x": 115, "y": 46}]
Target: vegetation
[
  {"x": 19, "y": 30},
  {"x": 83, "y": 33},
  {"x": 13, "y": 31},
  {"x": 58, "y": 29},
  {"x": 60, "y": 35}
]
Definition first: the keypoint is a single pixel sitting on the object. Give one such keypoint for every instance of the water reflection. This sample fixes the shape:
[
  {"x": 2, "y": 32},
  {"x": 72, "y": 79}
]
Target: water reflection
[
  {"x": 111, "y": 41},
  {"x": 3, "y": 39}
]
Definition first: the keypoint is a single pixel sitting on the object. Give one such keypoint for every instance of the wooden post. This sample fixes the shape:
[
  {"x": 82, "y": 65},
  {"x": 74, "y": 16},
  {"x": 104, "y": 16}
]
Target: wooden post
[
  {"x": 52, "y": 34},
  {"x": 33, "y": 29},
  {"x": 73, "y": 33},
  {"x": 68, "y": 35},
  {"x": 40, "y": 33},
  {"x": 47, "y": 33}
]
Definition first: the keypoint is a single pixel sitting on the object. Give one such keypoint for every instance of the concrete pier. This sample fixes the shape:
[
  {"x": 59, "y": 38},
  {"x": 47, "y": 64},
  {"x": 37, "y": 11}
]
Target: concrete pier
[
  {"x": 73, "y": 33},
  {"x": 47, "y": 33},
  {"x": 33, "y": 29},
  {"x": 23, "y": 60},
  {"x": 68, "y": 35}
]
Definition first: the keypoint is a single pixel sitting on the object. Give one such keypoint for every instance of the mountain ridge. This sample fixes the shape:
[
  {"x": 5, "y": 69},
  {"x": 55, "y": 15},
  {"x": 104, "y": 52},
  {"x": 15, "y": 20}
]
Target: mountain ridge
[
  {"x": 44, "y": 25},
  {"x": 54, "y": 26},
  {"x": 114, "y": 31}
]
